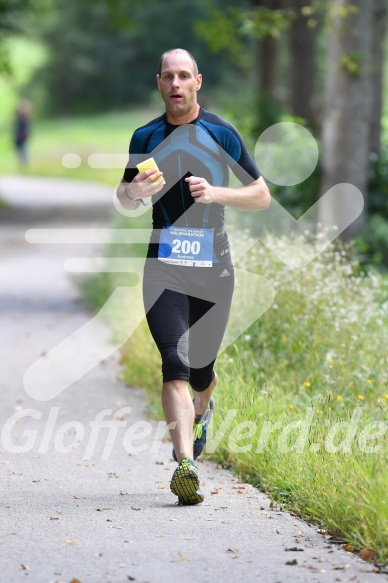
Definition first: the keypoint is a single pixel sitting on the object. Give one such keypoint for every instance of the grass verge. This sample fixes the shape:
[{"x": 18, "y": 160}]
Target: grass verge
[{"x": 302, "y": 398}]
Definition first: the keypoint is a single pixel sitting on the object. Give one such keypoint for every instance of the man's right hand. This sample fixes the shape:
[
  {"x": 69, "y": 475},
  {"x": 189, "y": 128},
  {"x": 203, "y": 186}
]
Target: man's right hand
[{"x": 146, "y": 184}]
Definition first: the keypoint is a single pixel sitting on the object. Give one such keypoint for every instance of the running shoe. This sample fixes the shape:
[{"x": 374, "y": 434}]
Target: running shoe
[
  {"x": 185, "y": 483},
  {"x": 200, "y": 430}
]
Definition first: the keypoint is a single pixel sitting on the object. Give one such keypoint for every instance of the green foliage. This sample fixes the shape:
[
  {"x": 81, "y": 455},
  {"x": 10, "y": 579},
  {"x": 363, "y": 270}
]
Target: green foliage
[
  {"x": 222, "y": 31},
  {"x": 262, "y": 21},
  {"x": 320, "y": 349},
  {"x": 371, "y": 244},
  {"x": 352, "y": 63},
  {"x": 16, "y": 16},
  {"x": 106, "y": 55}
]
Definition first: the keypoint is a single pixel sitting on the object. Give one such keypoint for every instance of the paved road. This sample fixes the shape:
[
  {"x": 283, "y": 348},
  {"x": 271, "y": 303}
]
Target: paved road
[{"x": 78, "y": 504}]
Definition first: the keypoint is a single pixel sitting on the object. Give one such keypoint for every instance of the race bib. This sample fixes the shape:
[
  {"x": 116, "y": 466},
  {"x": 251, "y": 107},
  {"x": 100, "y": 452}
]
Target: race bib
[{"x": 186, "y": 246}]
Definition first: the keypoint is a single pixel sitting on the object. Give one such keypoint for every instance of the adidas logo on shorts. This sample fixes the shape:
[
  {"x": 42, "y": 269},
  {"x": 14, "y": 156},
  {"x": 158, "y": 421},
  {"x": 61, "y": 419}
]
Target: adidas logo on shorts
[{"x": 225, "y": 273}]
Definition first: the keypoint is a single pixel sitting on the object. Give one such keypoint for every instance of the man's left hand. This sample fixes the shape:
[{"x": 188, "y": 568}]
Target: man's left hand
[{"x": 200, "y": 189}]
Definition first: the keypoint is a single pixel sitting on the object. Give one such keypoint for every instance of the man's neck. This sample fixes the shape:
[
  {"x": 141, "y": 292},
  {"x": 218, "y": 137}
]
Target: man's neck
[{"x": 182, "y": 119}]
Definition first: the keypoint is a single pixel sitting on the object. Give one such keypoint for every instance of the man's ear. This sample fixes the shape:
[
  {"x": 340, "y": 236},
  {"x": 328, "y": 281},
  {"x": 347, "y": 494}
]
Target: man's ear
[
  {"x": 158, "y": 81},
  {"x": 199, "y": 81}
]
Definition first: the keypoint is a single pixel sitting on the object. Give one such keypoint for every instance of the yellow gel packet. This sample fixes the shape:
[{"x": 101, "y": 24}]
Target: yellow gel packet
[{"x": 147, "y": 165}]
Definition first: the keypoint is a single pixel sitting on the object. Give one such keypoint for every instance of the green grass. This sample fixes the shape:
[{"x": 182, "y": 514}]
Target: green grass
[
  {"x": 319, "y": 350},
  {"x": 52, "y": 139}
]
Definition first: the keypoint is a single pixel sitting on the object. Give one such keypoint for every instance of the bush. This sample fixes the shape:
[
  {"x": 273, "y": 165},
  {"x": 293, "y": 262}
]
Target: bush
[{"x": 371, "y": 245}]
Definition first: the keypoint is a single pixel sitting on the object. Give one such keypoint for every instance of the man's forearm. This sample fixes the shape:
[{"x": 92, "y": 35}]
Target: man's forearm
[{"x": 255, "y": 196}]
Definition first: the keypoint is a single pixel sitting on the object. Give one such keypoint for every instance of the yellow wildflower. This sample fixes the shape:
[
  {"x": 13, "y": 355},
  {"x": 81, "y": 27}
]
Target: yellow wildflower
[
  {"x": 385, "y": 396},
  {"x": 339, "y": 398},
  {"x": 307, "y": 384},
  {"x": 369, "y": 381},
  {"x": 291, "y": 406},
  {"x": 361, "y": 397}
]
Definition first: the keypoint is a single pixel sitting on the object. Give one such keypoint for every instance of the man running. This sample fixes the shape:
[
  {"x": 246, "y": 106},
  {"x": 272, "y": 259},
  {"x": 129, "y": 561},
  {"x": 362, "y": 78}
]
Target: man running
[{"x": 188, "y": 276}]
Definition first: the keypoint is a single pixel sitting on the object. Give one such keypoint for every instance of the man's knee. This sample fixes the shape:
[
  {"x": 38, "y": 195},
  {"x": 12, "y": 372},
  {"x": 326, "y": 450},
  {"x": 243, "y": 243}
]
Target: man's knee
[
  {"x": 200, "y": 379},
  {"x": 172, "y": 365}
]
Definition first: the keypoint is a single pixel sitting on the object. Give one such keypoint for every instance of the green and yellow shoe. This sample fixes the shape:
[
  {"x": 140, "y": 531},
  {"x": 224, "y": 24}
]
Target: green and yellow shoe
[{"x": 185, "y": 483}]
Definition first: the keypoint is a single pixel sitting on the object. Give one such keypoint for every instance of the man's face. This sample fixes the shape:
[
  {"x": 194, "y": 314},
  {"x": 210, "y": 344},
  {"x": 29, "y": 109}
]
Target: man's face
[{"x": 178, "y": 85}]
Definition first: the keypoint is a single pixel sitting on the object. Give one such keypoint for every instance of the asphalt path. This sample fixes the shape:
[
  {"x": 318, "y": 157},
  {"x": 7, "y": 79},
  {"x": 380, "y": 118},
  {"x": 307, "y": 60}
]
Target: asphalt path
[{"x": 85, "y": 502}]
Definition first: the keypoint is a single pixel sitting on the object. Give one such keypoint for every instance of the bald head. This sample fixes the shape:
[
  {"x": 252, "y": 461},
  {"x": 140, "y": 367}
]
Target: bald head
[{"x": 195, "y": 66}]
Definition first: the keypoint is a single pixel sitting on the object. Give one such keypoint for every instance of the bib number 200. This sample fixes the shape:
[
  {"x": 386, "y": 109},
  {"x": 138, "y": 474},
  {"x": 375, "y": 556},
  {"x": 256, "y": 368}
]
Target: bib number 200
[{"x": 186, "y": 247}]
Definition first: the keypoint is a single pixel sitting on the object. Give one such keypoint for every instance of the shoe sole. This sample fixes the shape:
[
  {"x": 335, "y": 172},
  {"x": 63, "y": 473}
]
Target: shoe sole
[{"x": 185, "y": 484}]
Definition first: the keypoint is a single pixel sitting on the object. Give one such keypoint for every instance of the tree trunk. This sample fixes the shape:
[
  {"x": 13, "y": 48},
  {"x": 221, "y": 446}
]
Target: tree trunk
[
  {"x": 379, "y": 24},
  {"x": 268, "y": 49},
  {"x": 347, "y": 116},
  {"x": 303, "y": 66},
  {"x": 267, "y": 53}
]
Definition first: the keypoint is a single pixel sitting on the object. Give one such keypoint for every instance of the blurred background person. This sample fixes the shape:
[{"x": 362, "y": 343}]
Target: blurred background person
[{"x": 22, "y": 123}]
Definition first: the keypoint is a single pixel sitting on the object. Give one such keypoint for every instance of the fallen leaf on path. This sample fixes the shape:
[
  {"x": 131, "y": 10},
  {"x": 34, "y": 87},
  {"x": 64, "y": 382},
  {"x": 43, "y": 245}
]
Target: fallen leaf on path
[
  {"x": 162, "y": 487},
  {"x": 25, "y": 567},
  {"x": 338, "y": 568},
  {"x": 159, "y": 463},
  {"x": 77, "y": 497},
  {"x": 367, "y": 555},
  {"x": 293, "y": 562},
  {"x": 182, "y": 557},
  {"x": 293, "y": 549},
  {"x": 232, "y": 551},
  {"x": 75, "y": 581},
  {"x": 54, "y": 517},
  {"x": 135, "y": 507},
  {"x": 109, "y": 520},
  {"x": 130, "y": 578},
  {"x": 216, "y": 490},
  {"x": 72, "y": 542},
  {"x": 114, "y": 526}
]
